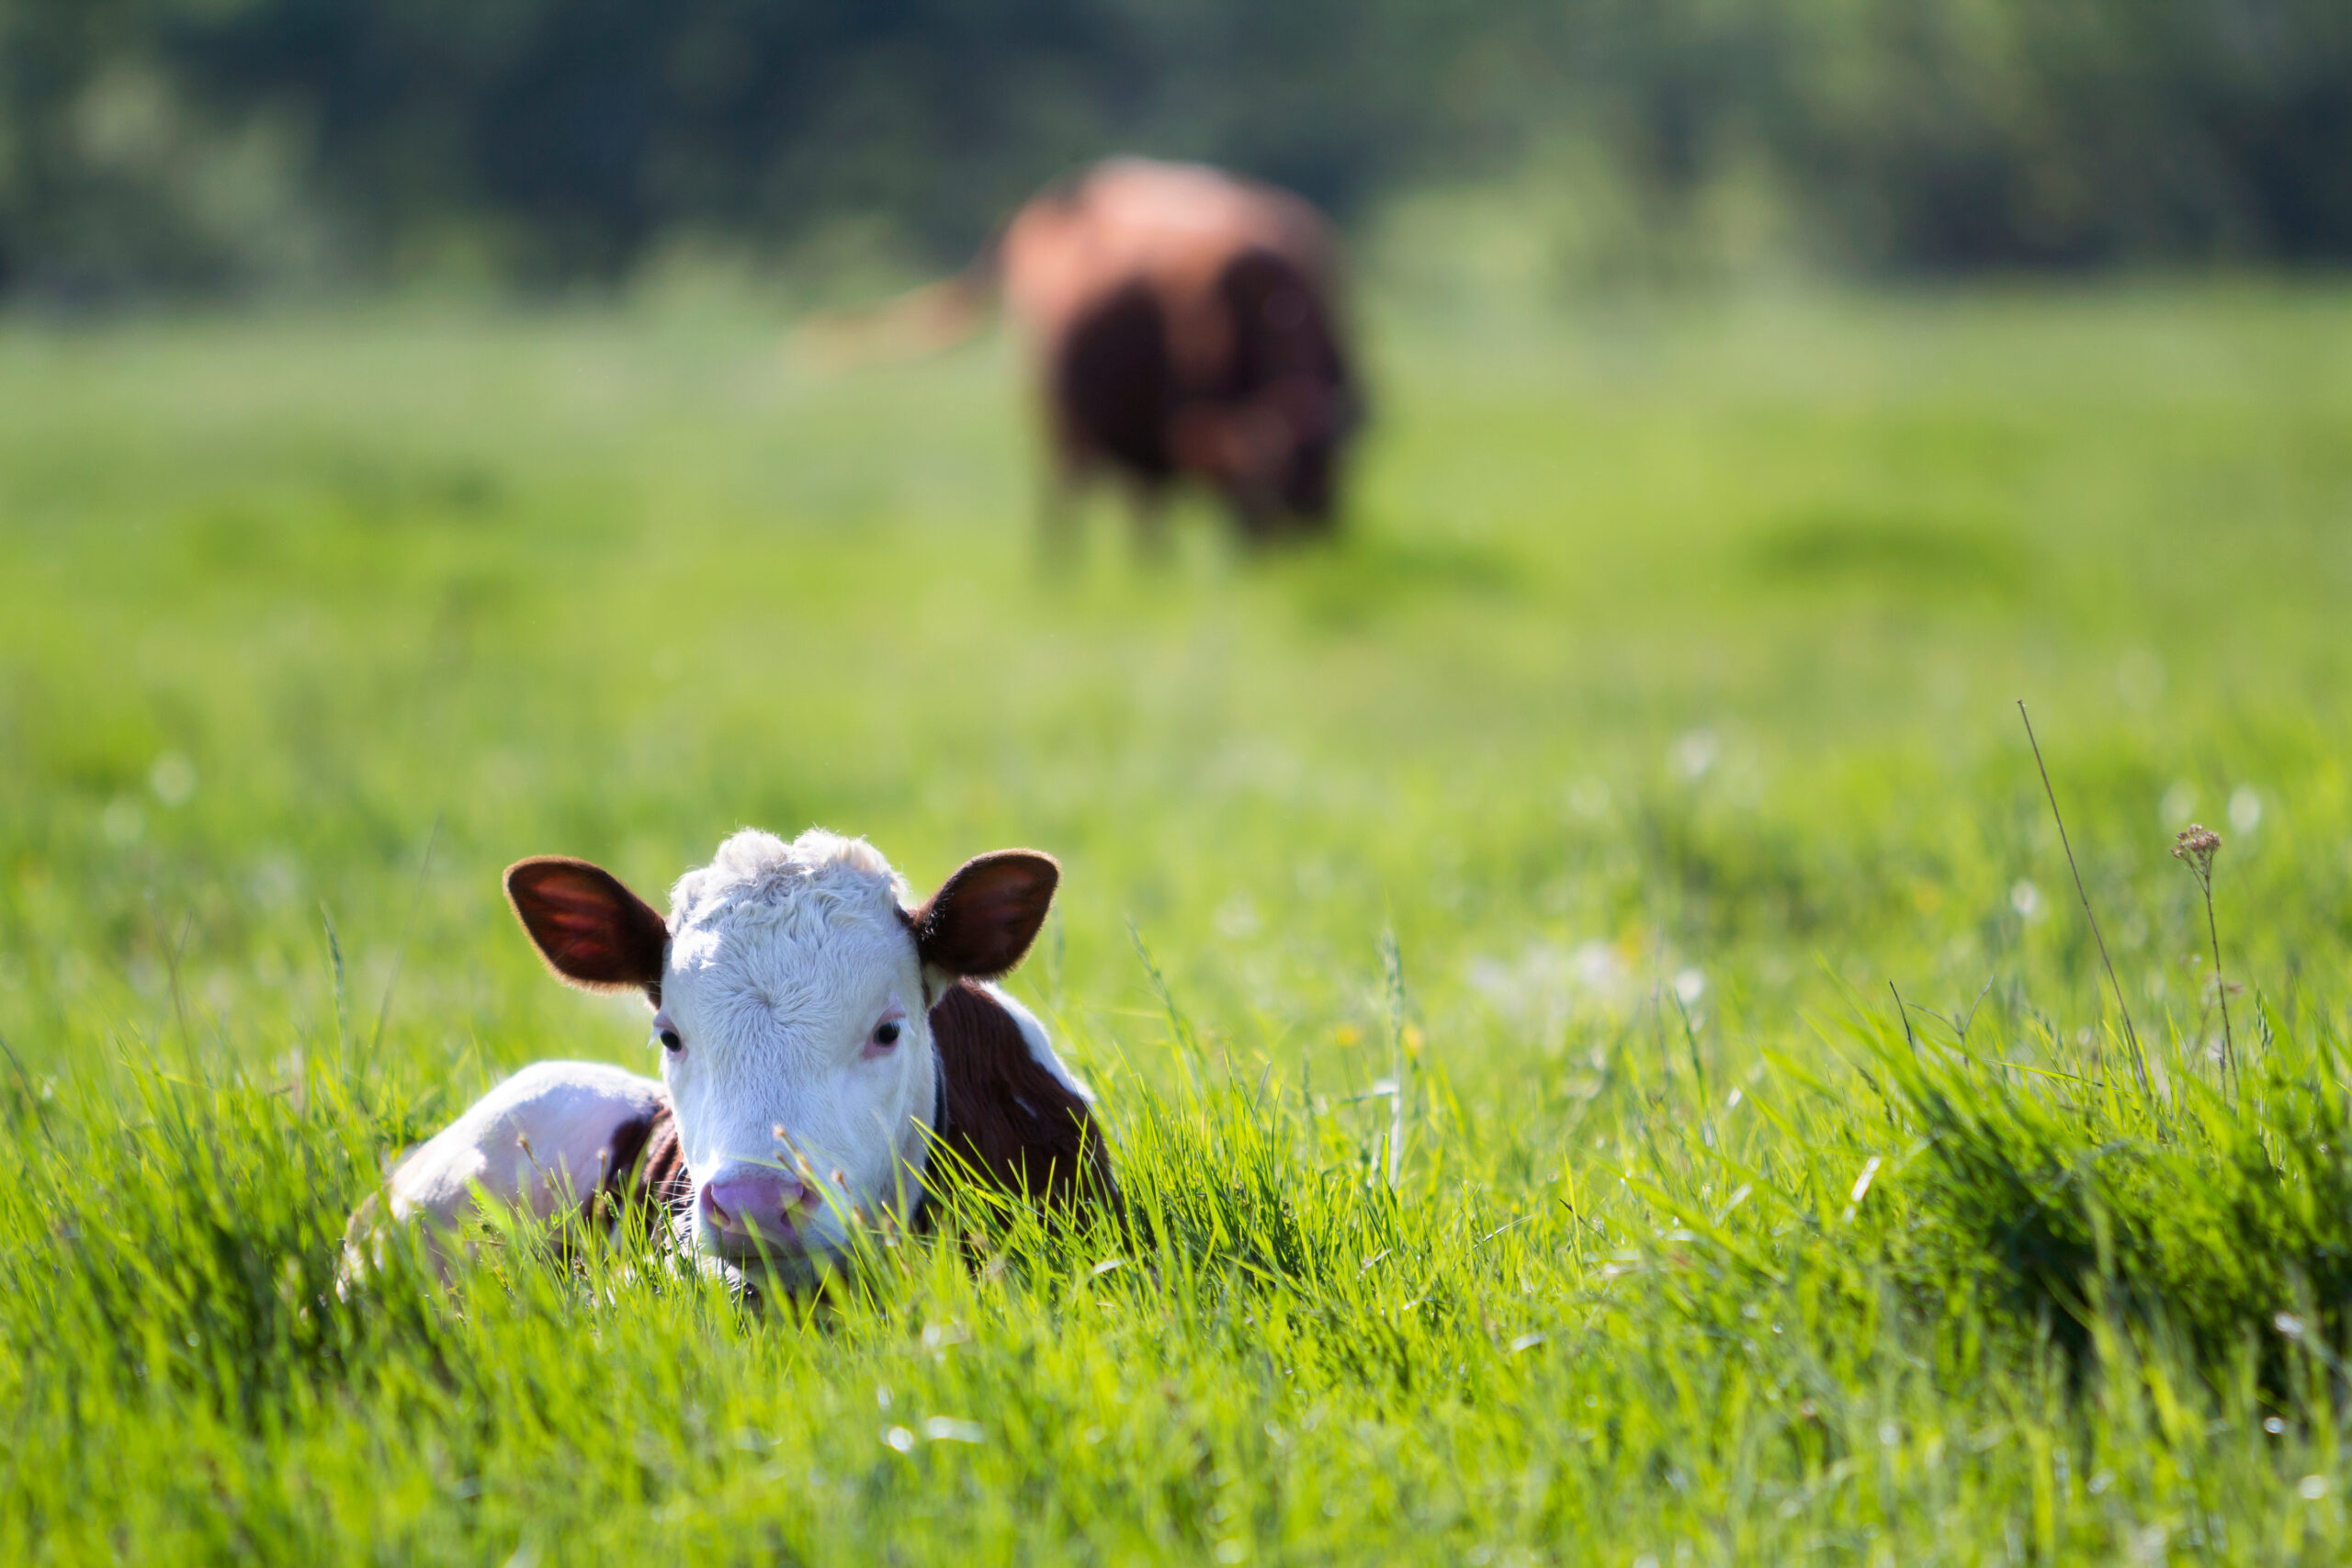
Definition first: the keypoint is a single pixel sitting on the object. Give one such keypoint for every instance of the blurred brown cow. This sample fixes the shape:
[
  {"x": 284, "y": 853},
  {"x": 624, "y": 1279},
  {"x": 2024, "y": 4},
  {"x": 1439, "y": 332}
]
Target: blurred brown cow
[{"x": 1180, "y": 321}]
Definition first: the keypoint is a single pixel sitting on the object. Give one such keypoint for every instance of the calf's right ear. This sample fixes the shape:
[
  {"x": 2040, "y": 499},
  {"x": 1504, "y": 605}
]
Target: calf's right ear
[{"x": 593, "y": 931}]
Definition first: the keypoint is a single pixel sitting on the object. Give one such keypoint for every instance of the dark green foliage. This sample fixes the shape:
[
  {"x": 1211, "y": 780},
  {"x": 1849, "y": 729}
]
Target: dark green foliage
[
  {"x": 2221, "y": 1221},
  {"x": 174, "y": 143}
]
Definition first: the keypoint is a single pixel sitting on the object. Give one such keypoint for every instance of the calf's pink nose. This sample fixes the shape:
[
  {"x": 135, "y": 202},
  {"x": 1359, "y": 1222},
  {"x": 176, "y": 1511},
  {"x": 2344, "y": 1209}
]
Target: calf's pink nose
[{"x": 763, "y": 1201}]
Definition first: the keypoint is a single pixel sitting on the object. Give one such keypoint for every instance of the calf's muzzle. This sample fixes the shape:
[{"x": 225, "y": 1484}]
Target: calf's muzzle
[{"x": 755, "y": 1205}]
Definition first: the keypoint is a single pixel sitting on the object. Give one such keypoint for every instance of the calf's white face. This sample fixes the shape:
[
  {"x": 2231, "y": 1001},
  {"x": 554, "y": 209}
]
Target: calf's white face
[{"x": 793, "y": 989}]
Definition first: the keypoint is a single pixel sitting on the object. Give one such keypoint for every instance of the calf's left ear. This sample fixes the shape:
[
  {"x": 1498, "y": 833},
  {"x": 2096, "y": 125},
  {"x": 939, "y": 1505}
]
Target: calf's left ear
[{"x": 984, "y": 917}]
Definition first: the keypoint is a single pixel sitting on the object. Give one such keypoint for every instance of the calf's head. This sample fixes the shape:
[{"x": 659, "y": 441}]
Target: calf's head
[{"x": 792, "y": 987}]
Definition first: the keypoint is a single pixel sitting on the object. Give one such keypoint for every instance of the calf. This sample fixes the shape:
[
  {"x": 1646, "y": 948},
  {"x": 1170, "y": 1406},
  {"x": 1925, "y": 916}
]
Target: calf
[{"x": 821, "y": 1044}]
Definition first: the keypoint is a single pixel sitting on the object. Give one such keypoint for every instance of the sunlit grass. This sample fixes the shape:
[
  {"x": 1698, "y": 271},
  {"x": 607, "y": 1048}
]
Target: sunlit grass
[{"x": 1658, "y": 706}]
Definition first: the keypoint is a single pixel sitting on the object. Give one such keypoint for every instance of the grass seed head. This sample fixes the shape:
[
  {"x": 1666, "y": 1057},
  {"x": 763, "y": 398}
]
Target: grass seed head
[{"x": 2194, "y": 849}]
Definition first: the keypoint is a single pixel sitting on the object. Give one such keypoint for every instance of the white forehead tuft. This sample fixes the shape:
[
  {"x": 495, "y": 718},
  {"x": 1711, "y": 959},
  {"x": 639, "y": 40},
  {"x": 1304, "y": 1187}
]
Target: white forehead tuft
[{"x": 817, "y": 874}]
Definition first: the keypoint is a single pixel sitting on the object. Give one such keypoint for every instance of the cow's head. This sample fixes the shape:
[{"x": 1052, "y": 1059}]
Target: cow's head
[
  {"x": 792, "y": 988},
  {"x": 1271, "y": 435}
]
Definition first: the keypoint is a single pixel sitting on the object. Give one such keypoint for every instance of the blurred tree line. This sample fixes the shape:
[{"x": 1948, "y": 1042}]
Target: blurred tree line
[{"x": 226, "y": 144}]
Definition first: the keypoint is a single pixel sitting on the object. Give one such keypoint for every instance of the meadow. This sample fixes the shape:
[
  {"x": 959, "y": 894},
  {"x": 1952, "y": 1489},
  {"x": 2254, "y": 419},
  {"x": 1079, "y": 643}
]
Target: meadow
[{"x": 1590, "y": 1000}]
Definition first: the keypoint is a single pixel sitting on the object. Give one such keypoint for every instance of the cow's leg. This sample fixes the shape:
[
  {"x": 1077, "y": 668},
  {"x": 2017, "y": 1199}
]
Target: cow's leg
[
  {"x": 1060, "y": 511},
  {"x": 542, "y": 1143}
]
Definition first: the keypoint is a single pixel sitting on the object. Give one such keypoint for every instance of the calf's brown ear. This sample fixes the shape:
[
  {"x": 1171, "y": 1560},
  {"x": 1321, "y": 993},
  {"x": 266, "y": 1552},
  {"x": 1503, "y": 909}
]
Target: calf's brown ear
[
  {"x": 985, "y": 916},
  {"x": 593, "y": 931}
]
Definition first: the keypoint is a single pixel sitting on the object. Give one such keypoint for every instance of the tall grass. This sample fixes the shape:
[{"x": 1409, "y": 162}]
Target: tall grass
[{"x": 2054, "y": 1319}]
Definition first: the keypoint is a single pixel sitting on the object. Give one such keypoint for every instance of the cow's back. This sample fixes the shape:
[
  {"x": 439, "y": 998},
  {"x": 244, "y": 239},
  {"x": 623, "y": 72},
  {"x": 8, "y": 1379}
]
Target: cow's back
[{"x": 1171, "y": 227}]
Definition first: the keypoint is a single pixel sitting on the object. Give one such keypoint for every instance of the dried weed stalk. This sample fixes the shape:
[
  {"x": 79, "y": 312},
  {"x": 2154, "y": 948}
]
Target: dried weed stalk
[
  {"x": 2194, "y": 849},
  {"x": 2130, "y": 1035}
]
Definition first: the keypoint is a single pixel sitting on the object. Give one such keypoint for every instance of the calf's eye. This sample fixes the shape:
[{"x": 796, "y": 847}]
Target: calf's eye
[
  {"x": 670, "y": 1041},
  {"x": 887, "y": 1033}
]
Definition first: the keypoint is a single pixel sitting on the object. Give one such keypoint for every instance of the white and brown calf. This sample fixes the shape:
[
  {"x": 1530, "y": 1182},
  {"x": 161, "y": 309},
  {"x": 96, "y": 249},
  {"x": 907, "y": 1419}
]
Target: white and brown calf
[{"x": 821, "y": 1042}]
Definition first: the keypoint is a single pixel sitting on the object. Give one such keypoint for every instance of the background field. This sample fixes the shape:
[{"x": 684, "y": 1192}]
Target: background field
[{"x": 1659, "y": 699}]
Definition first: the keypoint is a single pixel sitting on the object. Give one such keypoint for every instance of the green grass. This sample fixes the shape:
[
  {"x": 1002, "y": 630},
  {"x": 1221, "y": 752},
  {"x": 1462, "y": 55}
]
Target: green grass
[{"x": 1660, "y": 701}]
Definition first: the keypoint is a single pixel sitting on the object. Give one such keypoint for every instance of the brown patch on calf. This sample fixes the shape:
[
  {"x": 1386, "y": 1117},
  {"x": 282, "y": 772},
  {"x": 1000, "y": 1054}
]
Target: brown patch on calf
[
  {"x": 1008, "y": 1119},
  {"x": 592, "y": 931},
  {"x": 645, "y": 1172}
]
